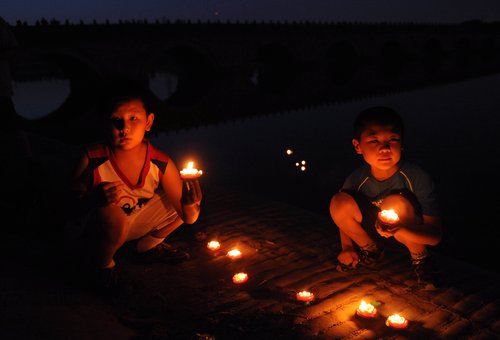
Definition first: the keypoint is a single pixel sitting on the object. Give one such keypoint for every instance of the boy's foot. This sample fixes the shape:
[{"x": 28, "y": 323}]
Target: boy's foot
[
  {"x": 427, "y": 272},
  {"x": 371, "y": 259},
  {"x": 367, "y": 259},
  {"x": 162, "y": 253}
]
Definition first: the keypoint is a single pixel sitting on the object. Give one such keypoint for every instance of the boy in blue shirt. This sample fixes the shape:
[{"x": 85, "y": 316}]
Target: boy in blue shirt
[{"x": 386, "y": 182}]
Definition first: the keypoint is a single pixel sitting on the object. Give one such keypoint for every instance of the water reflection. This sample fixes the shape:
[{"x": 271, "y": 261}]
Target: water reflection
[
  {"x": 163, "y": 85},
  {"x": 37, "y": 99}
]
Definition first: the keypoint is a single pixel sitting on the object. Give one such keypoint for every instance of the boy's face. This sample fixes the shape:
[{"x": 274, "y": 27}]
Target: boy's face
[
  {"x": 129, "y": 123},
  {"x": 381, "y": 148}
]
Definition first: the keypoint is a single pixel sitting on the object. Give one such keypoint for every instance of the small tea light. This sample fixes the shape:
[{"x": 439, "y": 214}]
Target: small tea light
[
  {"x": 190, "y": 172},
  {"x": 304, "y": 296},
  {"x": 366, "y": 310},
  {"x": 234, "y": 254},
  {"x": 213, "y": 245},
  {"x": 240, "y": 278},
  {"x": 396, "y": 321},
  {"x": 388, "y": 216}
]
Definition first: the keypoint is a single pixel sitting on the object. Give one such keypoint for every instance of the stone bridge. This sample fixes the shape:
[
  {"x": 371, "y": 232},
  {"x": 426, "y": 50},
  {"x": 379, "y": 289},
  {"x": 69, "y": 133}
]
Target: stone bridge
[{"x": 224, "y": 71}]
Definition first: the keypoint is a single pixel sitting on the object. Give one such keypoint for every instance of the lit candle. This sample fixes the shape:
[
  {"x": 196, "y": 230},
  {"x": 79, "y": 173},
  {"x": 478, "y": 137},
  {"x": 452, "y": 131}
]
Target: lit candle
[
  {"x": 289, "y": 151},
  {"x": 240, "y": 278},
  {"x": 388, "y": 220},
  {"x": 234, "y": 253},
  {"x": 190, "y": 172},
  {"x": 213, "y": 245},
  {"x": 396, "y": 321},
  {"x": 305, "y": 296},
  {"x": 366, "y": 310},
  {"x": 388, "y": 216}
]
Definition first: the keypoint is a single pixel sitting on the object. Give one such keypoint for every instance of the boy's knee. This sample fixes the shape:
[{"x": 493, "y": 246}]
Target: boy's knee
[{"x": 341, "y": 204}]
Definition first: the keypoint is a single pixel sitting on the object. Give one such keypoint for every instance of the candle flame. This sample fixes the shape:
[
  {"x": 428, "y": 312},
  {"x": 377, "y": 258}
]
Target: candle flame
[
  {"x": 240, "y": 278},
  {"x": 389, "y": 216},
  {"x": 366, "y": 307},
  {"x": 190, "y": 171},
  {"x": 213, "y": 245},
  {"x": 305, "y": 296},
  {"x": 396, "y": 321},
  {"x": 234, "y": 253},
  {"x": 289, "y": 151},
  {"x": 396, "y": 318},
  {"x": 366, "y": 310}
]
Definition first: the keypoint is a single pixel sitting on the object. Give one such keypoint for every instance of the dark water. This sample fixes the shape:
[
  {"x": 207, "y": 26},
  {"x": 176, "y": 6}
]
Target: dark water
[{"x": 451, "y": 130}]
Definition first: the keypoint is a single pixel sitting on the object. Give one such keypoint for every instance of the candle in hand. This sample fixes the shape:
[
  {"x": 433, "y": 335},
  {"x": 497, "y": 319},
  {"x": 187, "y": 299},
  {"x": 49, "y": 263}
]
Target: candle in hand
[
  {"x": 388, "y": 216},
  {"x": 396, "y": 321},
  {"x": 190, "y": 172},
  {"x": 366, "y": 310},
  {"x": 388, "y": 220}
]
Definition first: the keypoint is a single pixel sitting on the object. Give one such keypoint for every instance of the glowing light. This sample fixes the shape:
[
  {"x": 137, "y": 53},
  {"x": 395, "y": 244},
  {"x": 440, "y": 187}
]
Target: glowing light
[
  {"x": 190, "y": 172},
  {"x": 302, "y": 168},
  {"x": 304, "y": 296},
  {"x": 303, "y": 162},
  {"x": 297, "y": 164},
  {"x": 240, "y": 278},
  {"x": 388, "y": 216},
  {"x": 289, "y": 151},
  {"x": 366, "y": 310},
  {"x": 234, "y": 253},
  {"x": 213, "y": 245},
  {"x": 396, "y": 321}
]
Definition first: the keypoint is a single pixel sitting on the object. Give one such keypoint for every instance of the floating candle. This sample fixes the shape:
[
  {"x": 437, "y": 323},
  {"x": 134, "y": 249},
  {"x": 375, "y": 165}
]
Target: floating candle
[
  {"x": 396, "y": 321},
  {"x": 213, "y": 245},
  {"x": 234, "y": 253},
  {"x": 366, "y": 310},
  {"x": 190, "y": 172},
  {"x": 240, "y": 278},
  {"x": 305, "y": 296}
]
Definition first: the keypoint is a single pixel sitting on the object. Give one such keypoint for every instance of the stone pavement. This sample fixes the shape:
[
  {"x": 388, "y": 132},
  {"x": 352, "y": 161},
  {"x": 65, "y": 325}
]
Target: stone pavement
[{"x": 285, "y": 250}]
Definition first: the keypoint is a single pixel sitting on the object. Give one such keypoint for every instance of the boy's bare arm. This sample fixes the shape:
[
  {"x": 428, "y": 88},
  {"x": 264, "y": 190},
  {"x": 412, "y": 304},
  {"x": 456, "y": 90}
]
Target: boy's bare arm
[
  {"x": 186, "y": 202},
  {"x": 429, "y": 232}
]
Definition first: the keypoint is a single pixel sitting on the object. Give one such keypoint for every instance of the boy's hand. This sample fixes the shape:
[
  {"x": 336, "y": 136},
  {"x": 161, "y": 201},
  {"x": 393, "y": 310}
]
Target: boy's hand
[
  {"x": 386, "y": 230},
  {"x": 348, "y": 257},
  {"x": 108, "y": 192},
  {"x": 191, "y": 192}
]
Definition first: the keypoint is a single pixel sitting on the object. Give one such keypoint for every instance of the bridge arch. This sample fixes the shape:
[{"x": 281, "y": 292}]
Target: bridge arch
[
  {"x": 82, "y": 78},
  {"x": 190, "y": 70},
  {"x": 276, "y": 67},
  {"x": 393, "y": 58},
  {"x": 343, "y": 61}
]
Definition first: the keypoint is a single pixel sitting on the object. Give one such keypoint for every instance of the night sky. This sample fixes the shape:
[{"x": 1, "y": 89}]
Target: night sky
[{"x": 443, "y": 11}]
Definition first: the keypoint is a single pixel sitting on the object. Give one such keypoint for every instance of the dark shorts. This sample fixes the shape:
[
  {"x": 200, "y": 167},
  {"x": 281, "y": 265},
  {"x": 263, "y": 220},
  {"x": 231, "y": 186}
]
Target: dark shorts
[{"x": 370, "y": 212}]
